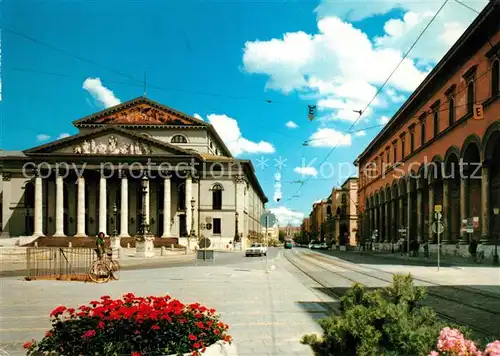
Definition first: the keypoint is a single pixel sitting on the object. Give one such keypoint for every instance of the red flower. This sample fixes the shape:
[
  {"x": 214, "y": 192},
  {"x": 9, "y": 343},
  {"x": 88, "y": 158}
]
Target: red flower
[
  {"x": 135, "y": 353},
  {"x": 155, "y": 327},
  {"x": 58, "y": 311},
  {"x": 100, "y": 325},
  {"x": 28, "y": 344},
  {"x": 88, "y": 334},
  {"x": 192, "y": 337},
  {"x": 48, "y": 334},
  {"x": 196, "y": 345},
  {"x": 217, "y": 331}
]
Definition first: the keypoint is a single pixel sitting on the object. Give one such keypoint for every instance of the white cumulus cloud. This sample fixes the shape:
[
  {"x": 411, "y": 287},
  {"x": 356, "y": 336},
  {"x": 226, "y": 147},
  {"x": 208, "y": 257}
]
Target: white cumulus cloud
[
  {"x": 383, "y": 120},
  {"x": 327, "y": 137},
  {"x": 360, "y": 133},
  {"x": 341, "y": 67},
  {"x": 42, "y": 137},
  {"x": 287, "y": 216},
  {"x": 63, "y": 135},
  {"x": 306, "y": 171},
  {"x": 100, "y": 93},
  {"x": 198, "y": 116},
  {"x": 291, "y": 125},
  {"x": 229, "y": 130}
]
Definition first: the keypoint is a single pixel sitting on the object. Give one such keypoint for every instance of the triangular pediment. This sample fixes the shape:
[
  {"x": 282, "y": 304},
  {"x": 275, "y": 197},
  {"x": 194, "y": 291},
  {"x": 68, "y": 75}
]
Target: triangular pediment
[
  {"x": 139, "y": 112},
  {"x": 109, "y": 141}
]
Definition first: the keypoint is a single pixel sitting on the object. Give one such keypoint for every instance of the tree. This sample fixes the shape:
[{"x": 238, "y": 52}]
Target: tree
[{"x": 281, "y": 235}]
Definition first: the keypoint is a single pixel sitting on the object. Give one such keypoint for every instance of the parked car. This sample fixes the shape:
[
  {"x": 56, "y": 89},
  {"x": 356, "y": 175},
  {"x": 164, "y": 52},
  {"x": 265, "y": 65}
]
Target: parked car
[
  {"x": 257, "y": 249},
  {"x": 319, "y": 246}
]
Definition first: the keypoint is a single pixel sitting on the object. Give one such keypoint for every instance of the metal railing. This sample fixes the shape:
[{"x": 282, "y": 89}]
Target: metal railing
[{"x": 58, "y": 263}]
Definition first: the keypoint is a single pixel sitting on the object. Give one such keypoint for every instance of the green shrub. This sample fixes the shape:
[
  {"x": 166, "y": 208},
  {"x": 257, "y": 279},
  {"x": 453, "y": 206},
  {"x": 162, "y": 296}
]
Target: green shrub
[{"x": 386, "y": 321}]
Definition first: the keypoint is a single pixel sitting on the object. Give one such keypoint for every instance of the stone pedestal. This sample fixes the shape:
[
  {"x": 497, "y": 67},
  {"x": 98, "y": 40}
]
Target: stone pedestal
[
  {"x": 144, "y": 246},
  {"x": 115, "y": 246}
]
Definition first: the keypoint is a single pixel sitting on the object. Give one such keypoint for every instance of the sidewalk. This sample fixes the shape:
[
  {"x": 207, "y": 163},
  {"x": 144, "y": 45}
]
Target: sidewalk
[{"x": 267, "y": 313}]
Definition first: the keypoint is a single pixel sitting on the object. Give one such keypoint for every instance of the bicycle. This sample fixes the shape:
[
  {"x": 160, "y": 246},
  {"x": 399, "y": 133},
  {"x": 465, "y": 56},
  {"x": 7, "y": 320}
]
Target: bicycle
[{"x": 103, "y": 269}]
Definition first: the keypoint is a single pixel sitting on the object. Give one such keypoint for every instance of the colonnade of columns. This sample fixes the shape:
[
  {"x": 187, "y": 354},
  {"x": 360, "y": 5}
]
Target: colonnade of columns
[
  {"x": 102, "y": 219},
  {"x": 391, "y": 209}
]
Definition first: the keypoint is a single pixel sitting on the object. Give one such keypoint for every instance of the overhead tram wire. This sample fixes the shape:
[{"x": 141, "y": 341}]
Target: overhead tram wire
[{"x": 383, "y": 84}]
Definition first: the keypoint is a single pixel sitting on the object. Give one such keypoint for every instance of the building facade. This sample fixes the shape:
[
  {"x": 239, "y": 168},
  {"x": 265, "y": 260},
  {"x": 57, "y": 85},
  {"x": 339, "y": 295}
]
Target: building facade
[
  {"x": 91, "y": 181},
  {"x": 441, "y": 150}
]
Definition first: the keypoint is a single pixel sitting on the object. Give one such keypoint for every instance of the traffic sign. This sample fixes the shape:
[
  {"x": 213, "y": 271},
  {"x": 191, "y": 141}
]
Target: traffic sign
[
  {"x": 438, "y": 227},
  {"x": 437, "y": 215},
  {"x": 267, "y": 219},
  {"x": 438, "y": 208},
  {"x": 205, "y": 243}
]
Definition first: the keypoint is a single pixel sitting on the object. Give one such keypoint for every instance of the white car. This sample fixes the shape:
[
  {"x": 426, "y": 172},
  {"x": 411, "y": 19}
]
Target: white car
[{"x": 256, "y": 250}]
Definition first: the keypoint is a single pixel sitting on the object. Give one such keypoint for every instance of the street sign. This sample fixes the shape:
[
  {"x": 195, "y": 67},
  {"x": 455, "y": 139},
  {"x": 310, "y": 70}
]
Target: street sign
[
  {"x": 437, "y": 227},
  {"x": 475, "y": 222},
  {"x": 437, "y": 215},
  {"x": 205, "y": 242},
  {"x": 267, "y": 219},
  {"x": 438, "y": 208}
]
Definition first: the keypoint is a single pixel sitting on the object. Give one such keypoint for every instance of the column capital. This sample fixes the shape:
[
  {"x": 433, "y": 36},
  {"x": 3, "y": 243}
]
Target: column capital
[
  {"x": 6, "y": 176},
  {"x": 239, "y": 178},
  {"x": 165, "y": 174},
  {"x": 123, "y": 174}
]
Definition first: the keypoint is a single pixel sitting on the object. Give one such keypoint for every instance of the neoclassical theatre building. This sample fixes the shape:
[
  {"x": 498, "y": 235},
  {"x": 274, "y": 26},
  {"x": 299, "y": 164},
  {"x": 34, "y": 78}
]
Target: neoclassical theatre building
[
  {"x": 94, "y": 181},
  {"x": 441, "y": 149}
]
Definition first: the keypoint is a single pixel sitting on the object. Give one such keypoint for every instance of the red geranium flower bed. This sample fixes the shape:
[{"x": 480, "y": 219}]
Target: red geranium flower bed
[{"x": 135, "y": 326}]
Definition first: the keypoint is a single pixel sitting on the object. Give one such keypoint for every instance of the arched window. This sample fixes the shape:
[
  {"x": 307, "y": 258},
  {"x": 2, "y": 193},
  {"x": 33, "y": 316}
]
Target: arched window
[
  {"x": 181, "y": 193},
  {"x": 495, "y": 77},
  {"x": 29, "y": 195},
  {"x": 470, "y": 97},
  {"x": 451, "y": 111},
  {"x": 178, "y": 139},
  {"x": 217, "y": 196}
]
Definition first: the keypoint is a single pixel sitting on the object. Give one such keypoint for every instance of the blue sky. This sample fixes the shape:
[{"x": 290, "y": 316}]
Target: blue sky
[{"x": 222, "y": 61}]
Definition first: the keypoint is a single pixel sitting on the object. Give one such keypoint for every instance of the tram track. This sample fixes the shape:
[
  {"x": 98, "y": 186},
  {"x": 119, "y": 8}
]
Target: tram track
[
  {"x": 471, "y": 316},
  {"x": 487, "y": 304}
]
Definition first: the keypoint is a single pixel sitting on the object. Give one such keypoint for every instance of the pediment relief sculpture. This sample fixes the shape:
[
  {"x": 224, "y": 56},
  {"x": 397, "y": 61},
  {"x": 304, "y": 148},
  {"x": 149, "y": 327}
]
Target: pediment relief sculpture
[
  {"x": 113, "y": 147},
  {"x": 142, "y": 115}
]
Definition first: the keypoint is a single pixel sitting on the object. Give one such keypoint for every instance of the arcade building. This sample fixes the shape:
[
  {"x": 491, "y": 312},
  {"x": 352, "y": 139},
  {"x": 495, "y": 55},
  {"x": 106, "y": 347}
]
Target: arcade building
[{"x": 441, "y": 150}]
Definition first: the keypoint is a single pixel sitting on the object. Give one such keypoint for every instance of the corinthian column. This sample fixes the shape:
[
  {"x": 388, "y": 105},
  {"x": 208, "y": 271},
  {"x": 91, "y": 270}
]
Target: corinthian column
[
  {"x": 59, "y": 206},
  {"x": 80, "y": 219},
  {"x": 431, "y": 211},
  {"x": 166, "y": 206},
  {"x": 124, "y": 207},
  {"x": 102, "y": 205},
  {"x": 189, "y": 193},
  {"x": 464, "y": 209},
  {"x": 446, "y": 212},
  {"x": 38, "y": 207},
  {"x": 420, "y": 222}
]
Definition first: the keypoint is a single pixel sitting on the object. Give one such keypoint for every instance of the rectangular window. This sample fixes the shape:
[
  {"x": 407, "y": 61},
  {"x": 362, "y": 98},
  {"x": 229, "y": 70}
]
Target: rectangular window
[
  {"x": 387, "y": 156},
  {"x": 395, "y": 153},
  {"x": 451, "y": 111},
  {"x": 422, "y": 134},
  {"x": 402, "y": 148},
  {"x": 435, "y": 118},
  {"x": 217, "y": 227},
  {"x": 412, "y": 141}
]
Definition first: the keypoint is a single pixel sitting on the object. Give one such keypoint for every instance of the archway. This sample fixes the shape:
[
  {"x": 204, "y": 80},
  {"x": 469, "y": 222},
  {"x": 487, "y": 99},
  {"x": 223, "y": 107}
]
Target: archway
[
  {"x": 381, "y": 231},
  {"x": 471, "y": 173},
  {"x": 403, "y": 204},
  {"x": 388, "y": 202},
  {"x": 452, "y": 174},
  {"x": 413, "y": 222},
  {"x": 395, "y": 210},
  {"x": 492, "y": 158},
  {"x": 29, "y": 204}
]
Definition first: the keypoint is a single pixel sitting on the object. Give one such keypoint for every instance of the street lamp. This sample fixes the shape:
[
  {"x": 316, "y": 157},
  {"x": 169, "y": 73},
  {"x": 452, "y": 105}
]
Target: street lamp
[
  {"x": 496, "y": 212},
  {"x": 192, "y": 233},
  {"x": 115, "y": 213},
  {"x": 144, "y": 228},
  {"x": 236, "y": 234}
]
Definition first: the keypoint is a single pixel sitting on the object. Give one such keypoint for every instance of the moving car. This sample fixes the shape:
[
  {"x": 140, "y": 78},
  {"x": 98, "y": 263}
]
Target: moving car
[
  {"x": 256, "y": 249},
  {"x": 288, "y": 245}
]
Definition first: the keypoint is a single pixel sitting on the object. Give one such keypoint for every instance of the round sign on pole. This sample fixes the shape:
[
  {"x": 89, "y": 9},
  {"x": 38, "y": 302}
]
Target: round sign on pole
[
  {"x": 437, "y": 227},
  {"x": 269, "y": 218},
  {"x": 205, "y": 243},
  {"x": 438, "y": 215}
]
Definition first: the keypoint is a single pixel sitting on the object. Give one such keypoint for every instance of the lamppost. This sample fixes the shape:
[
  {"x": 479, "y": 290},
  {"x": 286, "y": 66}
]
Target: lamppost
[
  {"x": 192, "y": 232},
  {"x": 115, "y": 213},
  {"x": 496, "y": 212},
  {"x": 236, "y": 234},
  {"x": 144, "y": 228}
]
